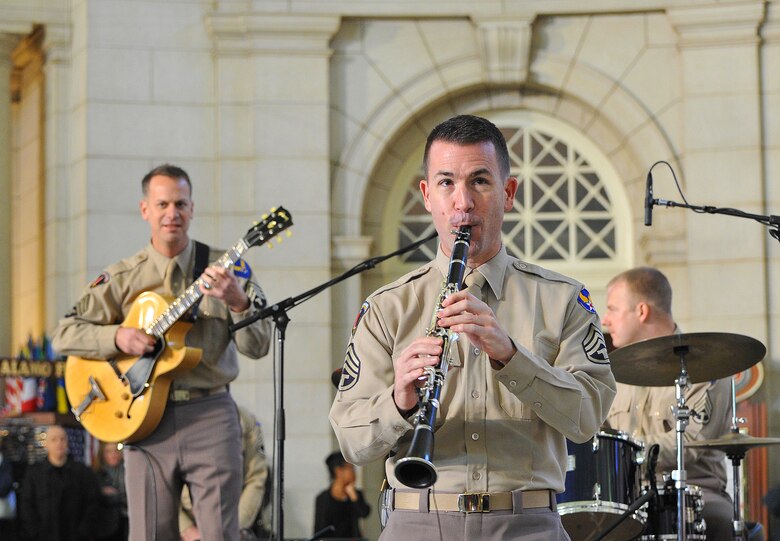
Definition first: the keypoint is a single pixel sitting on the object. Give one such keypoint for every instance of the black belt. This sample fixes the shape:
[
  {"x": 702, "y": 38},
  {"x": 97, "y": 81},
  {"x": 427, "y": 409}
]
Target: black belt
[{"x": 184, "y": 395}]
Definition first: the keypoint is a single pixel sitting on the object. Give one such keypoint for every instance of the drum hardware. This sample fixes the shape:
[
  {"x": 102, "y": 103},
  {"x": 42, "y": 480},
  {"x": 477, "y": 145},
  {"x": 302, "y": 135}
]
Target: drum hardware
[
  {"x": 735, "y": 445},
  {"x": 602, "y": 483},
  {"x": 693, "y": 358},
  {"x": 663, "y": 520}
]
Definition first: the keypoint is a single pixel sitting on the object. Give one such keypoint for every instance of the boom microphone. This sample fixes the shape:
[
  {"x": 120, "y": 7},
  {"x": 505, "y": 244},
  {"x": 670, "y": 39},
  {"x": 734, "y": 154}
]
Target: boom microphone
[{"x": 649, "y": 199}]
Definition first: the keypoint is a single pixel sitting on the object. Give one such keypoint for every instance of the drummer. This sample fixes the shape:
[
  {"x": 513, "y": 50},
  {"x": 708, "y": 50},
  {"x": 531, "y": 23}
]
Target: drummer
[{"x": 639, "y": 307}]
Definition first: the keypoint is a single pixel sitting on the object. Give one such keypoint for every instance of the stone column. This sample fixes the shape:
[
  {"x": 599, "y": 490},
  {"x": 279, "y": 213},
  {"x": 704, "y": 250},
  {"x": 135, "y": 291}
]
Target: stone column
[
  {"x": 722, "y": 156},
  {"x": 273, "y": 116},
  {"x": 57, "y": 136},
  {"x": 770, "y": 56},
  {"x": 348, "y": 296},
  {"x": 7, "y": 43}
]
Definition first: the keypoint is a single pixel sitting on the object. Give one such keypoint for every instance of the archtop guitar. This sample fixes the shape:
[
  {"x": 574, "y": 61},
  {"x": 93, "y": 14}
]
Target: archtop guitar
[{"x": 123, "y": 399}]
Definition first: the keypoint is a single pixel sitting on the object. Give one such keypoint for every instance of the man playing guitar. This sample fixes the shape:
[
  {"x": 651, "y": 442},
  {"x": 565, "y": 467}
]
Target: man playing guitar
[{"x": 198, "y": 439}]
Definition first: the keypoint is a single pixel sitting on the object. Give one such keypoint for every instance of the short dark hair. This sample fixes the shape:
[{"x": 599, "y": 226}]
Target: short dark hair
[
  {"x": 470, "y": 130},
  {"x": 650, "y": 285},
  {"x": 166, "y": 170},
  {"x": 334, "y": 460}
]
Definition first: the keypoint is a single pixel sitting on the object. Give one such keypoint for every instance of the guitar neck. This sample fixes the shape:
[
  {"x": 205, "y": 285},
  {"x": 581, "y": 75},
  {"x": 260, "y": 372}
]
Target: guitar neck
[{"x": 192, "y": 294}]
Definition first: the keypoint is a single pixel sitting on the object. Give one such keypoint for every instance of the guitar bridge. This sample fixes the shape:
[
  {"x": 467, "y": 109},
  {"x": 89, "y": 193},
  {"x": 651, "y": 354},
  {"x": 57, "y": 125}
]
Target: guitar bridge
[{"x": 94, "y": 394}]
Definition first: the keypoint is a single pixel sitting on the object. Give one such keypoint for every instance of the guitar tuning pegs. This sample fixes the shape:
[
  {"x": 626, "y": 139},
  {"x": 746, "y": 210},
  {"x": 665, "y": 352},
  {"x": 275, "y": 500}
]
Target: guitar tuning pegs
[
  {"x": 265, "y": 216},
  {"x": 288, "y": 233},
  {"x": 270, "y": 244},
  {"x": 255, "y": 223},
  {"x": 273, "y": 209},
  {"x": 278, "y": 240}
]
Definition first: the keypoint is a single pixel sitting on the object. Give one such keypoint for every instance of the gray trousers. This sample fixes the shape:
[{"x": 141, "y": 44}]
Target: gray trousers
[
  {"x": 718, "y": 512},
  {"x": 528, "y": 525},
  {"x": 197, "y": 443}
]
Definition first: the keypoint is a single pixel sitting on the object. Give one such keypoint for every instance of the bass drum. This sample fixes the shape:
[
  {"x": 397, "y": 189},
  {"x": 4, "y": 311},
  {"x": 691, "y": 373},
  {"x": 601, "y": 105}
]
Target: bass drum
[
  {"x": 662, "y": 515},
  {"x": 602, "y": 480}
]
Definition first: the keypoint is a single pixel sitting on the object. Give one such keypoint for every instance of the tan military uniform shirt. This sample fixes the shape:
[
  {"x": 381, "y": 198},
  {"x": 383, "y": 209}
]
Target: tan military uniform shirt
[
  {"x": 89, "y": 330},
  {"x": 255, "y": 475},
  {"x": 496, "y": 430},
  {"x": 645, "y": 413}
]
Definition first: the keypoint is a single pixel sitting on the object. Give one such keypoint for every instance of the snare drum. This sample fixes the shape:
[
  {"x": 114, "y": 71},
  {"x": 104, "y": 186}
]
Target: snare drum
[
  {"x": 602, "y": 480},
  {"x": 662, "y": 515}
]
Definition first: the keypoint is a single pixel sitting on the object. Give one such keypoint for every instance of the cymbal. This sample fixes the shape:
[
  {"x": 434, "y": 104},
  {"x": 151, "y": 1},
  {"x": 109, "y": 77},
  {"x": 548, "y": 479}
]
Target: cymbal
[
  {"x": 656, "y": 362},
  {"x": 734, "y": 443}
]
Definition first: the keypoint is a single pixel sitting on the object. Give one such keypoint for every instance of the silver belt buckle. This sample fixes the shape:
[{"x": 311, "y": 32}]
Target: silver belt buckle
[
  {"x": 474, "y": 502},
  {"x": 180, "y": 395}
]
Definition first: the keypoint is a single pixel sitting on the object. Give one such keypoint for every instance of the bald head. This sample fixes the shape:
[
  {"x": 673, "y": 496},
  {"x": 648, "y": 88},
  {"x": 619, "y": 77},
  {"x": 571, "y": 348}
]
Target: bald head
[{"x": 56, "y": 445}]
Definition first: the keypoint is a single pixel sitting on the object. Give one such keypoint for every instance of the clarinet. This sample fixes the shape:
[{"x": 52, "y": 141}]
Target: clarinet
[{"x": 416, "y": 469}]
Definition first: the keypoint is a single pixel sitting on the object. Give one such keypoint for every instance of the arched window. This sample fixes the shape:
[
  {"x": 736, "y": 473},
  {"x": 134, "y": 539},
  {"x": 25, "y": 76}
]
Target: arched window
[{"x": 569, "y": 214}]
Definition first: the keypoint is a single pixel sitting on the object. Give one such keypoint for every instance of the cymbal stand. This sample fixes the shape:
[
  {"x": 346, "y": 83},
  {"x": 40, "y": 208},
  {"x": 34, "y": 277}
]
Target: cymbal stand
[
  {"x": 736, "y": 457},
  {"x": 682, "y": 414}
]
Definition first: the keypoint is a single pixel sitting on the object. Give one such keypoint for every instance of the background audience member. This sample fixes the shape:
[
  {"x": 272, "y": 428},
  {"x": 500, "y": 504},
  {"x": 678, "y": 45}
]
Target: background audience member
[
  {"x": 341, "y": 505},
  {"x": 110, "y": 470},
  {"x": 60, "y": 498}
]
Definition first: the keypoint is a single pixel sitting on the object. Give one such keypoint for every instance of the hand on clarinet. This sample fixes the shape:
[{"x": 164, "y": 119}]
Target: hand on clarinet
[
  {"x": 465, "y": 314},
  {"x": 422, "y": 352}
]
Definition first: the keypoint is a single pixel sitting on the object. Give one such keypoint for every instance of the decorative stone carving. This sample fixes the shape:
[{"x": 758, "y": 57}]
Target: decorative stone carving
[
  {"x": 505, "y": 47},
  {"x": 276, "y": 34}
]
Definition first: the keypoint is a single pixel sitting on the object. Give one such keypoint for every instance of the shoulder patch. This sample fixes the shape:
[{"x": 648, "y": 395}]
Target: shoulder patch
[
  {"x": 363, "y": 309},
  {"x": 350, "y": 372},
  {"x": 595, "y": 346},
  {"x": 584, "y": 299},
  {"x": 103, "y": 278},
  {"x": 241, "y": 269}
]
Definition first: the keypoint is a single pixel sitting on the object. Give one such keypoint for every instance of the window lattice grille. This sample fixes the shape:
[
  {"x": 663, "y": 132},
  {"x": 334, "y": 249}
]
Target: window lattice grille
[{"x": 562, "y": 211}]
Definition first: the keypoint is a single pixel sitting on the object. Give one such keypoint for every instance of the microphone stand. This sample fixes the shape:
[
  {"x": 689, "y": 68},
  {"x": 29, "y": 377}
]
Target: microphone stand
[
  {"x": 771, "y": 220},
  {"x": 278, "y": 312}
]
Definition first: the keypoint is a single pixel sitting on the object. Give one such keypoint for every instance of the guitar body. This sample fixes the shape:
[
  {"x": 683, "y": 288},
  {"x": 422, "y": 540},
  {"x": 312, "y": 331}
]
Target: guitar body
[
  {"x": 123, "y": 400},
  {"x": 120, "y": 417}
]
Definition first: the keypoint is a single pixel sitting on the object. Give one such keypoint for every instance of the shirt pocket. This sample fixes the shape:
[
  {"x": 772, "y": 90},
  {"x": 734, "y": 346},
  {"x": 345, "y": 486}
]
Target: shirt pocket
[
  {"x": 512, "y": 406},
  {"x": 510, "y": 403}
]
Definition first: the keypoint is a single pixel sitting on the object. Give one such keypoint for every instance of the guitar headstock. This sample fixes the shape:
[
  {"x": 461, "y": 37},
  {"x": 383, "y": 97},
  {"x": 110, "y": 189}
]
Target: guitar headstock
[{"x": 271, "y": 225}]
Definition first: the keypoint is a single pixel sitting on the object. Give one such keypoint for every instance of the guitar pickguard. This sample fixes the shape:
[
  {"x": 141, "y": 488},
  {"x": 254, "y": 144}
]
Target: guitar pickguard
[{"x": 137, "y": 377}]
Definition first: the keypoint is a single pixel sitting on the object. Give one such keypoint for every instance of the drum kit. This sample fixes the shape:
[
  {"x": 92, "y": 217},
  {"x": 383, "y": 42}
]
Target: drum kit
[{"x": 605, "y": 498}]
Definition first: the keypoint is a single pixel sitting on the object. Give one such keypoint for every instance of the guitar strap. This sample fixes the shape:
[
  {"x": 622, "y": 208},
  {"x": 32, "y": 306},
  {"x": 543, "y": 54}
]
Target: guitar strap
[{"x": 201, "y": 262}]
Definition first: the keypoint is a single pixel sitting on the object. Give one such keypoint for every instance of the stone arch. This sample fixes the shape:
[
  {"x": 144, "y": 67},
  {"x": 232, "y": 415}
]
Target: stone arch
[{"x": 622, "y": 127}]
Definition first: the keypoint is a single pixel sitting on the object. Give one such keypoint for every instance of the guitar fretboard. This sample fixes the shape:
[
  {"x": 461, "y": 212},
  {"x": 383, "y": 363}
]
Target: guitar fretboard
[{"x": 192, "y": 294}]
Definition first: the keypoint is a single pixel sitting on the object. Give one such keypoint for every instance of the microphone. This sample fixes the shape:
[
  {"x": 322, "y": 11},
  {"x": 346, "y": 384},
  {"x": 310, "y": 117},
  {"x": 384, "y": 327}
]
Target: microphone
[{"x": 649, "y": 199}]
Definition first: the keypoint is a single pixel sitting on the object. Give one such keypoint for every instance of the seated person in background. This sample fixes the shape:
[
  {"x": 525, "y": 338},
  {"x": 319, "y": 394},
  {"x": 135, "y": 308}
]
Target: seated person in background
[
  {"x": 639, "y": 307},
  {"x": 255, "y": 474},
  {"x": 60, "y": 498},
  {"x": 341, "y": 505}
]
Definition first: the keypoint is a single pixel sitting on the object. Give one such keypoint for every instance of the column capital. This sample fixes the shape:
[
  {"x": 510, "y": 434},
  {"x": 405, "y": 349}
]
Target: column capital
[
  {"x": 505, "y": 44},
  {"x": 349, "y": 251},
  {"x": 307, "y": 35},
  {"x": 57, "y": 44},
  {"x": 770, "y": 32},
  {"x": 718, "y": 25}
]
